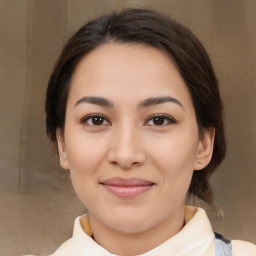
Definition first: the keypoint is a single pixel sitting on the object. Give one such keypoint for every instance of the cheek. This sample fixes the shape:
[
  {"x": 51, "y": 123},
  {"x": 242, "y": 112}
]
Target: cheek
[
  {"x": 84, "y": 159},
  {"x": 174, "y": 152},
  {"x": 84, "y": 153},
  {"x": 174, "y": 158},
  {"x": 85, "y": 156}
]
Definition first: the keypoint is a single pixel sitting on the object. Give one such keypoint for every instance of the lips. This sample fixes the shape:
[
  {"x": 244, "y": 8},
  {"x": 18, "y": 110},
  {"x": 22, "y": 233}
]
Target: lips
[{"x": 127, "y": 188}]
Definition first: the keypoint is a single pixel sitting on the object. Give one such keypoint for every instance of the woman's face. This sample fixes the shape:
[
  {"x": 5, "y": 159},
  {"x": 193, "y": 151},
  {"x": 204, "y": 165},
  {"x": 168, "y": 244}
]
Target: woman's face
[{"x": 131, "y": 139}]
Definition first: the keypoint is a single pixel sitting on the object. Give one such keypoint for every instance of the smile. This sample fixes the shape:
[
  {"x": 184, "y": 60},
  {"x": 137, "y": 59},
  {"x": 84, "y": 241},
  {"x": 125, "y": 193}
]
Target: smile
[{"x": 127, "y": 188}]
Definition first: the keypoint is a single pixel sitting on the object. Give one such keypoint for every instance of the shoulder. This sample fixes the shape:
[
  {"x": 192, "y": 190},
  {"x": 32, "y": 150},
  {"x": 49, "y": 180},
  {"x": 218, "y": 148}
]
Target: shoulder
[
  {"x": 242, "y": 248},
  {"x": 224, "y": 247}
]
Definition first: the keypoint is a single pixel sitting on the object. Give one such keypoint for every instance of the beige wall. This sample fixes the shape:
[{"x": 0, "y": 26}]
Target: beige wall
[{"x": 32, "y": 33}]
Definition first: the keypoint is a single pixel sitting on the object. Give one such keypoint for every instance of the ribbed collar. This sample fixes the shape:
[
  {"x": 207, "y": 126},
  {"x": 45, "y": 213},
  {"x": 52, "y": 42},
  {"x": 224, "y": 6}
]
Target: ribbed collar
[{"x": 195, "y": 239}]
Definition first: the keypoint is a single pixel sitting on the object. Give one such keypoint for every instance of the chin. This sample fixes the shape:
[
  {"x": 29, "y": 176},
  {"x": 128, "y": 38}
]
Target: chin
[
  {"x": 130, "y": 228},
  {"x": 129, "y": 223}
]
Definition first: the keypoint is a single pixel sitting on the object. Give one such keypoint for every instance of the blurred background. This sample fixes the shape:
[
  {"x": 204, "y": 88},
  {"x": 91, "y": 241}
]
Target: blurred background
[{"x": 37, "y": 209}]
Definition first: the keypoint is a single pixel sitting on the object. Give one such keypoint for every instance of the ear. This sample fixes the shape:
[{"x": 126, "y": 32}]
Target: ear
[
  {"x": 61, "y": 149},
  {"x": 205, "y": 149}
]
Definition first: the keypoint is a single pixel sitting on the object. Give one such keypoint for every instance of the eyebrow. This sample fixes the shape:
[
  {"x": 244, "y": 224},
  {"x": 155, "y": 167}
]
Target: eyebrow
[
  {"x": 145, "y": 103},
  {"x": 159, "y": 100},
  {"x": 96, "y": 100}
]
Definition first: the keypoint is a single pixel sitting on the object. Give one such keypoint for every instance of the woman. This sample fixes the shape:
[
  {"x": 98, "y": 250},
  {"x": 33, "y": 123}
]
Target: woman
[{"x": 133, "y": 106}]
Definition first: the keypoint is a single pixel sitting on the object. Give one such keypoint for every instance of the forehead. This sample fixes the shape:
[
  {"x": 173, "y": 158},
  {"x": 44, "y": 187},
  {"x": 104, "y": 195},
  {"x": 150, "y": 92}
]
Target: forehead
[{"x": 128, "y": 71}]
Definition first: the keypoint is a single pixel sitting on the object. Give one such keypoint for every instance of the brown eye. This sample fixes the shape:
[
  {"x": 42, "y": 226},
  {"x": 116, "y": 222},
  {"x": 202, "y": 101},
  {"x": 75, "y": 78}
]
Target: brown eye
[
  {"x": 97, "y": 120},
  {"x": 160, "y": 120},
  {"x": 94, "y": 120}
]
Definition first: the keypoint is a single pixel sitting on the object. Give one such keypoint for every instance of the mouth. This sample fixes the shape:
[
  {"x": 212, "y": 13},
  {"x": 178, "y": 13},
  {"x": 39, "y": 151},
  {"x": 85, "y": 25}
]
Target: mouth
[{"x": 127, "y": 188}]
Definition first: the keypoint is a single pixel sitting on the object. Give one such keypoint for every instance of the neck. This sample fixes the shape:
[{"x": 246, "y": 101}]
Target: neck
[{"x": 126, "y": 244}]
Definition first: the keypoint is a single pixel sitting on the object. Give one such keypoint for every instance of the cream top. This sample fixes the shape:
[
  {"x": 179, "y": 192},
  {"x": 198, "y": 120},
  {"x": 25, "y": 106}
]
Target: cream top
[{"x": 195, "y": 239}]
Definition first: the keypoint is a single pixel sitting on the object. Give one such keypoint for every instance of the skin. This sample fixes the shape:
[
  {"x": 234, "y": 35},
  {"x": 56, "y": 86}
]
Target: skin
[{"x": 129, "y": 142}]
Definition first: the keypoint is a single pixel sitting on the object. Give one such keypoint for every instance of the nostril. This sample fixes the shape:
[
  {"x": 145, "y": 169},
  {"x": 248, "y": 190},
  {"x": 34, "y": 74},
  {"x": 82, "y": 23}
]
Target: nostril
[
  {"x": 114, "y": 163},
  {"x": 125, "y": 165}
]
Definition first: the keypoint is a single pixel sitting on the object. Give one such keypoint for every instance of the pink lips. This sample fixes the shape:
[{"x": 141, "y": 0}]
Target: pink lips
[{"x": 127, "y": 188}]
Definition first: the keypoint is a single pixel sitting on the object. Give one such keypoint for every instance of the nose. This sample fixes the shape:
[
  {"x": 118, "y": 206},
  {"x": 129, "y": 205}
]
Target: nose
[{"x": 126, "y": 149}]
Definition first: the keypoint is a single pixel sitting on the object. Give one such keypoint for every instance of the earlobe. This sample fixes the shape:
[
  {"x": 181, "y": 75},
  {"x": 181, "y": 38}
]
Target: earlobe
[
  {"x": 62, "y": 151},
  {"x": 205, "y": 149}
]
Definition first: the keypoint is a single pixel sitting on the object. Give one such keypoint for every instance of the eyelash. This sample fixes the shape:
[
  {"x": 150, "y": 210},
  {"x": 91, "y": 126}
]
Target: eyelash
[
  {"x": 85, "y": 119},
  {"x": 166, "y": 118}
]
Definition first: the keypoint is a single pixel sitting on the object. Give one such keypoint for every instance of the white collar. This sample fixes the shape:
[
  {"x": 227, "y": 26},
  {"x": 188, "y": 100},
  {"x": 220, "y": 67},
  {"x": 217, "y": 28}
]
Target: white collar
[{"x": 195, "y": 239}]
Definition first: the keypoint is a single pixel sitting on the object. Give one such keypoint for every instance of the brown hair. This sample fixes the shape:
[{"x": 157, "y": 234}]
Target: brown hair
[{"x": 150, "y": 28}]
